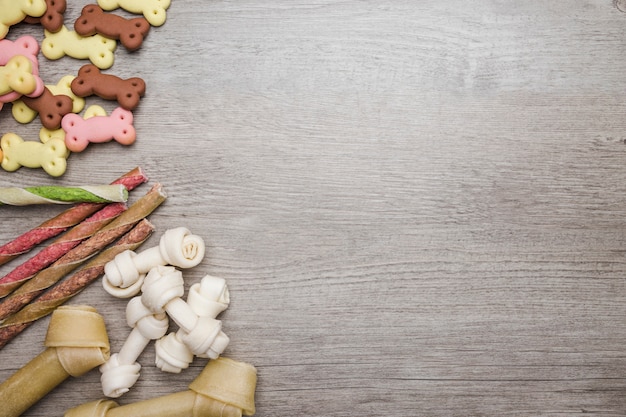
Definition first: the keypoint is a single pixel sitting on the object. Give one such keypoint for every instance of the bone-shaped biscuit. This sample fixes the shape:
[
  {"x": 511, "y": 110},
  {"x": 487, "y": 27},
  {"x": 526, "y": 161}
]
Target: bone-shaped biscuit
[
  {"x": 17, "y": 76},
  {"x": 152, "y": 10},
  {"x": 51, "y": 156},
  {"x": 97, "y": 48},
  {"x": 52, "y": 19},
  {"x": 25, "y": 46},
  {"x": 51, "y": 108},
  {"x": 91, "y": 80},
  {"x": 80, "y": 132},
  {"x": 14, "y": 11},
  {"x": 130, "y": 32}
]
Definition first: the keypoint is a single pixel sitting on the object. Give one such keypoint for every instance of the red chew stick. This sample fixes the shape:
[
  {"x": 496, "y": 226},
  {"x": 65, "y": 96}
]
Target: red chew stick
[
  {"x": 60, "y": 247},
  {"x": 63, "y": 221}
]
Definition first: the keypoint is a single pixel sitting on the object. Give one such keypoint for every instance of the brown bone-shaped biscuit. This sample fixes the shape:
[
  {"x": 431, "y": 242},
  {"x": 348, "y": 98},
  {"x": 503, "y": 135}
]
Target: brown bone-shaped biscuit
[
  {"x": 51, "y": 108},
  {"x": 90, "y": 81},
  {"x": 130, "y": 32},
  {"x": 52, "y": 20}
]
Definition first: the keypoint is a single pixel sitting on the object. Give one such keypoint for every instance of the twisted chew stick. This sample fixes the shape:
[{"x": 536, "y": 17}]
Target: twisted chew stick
[
  {"x": 60, "y": 247},
  {"x": 72, "y": 259},
  {"x": 64, "y": 220},
  {"x": 54, "y": 194},
  {"x": 67, "y": 289}
]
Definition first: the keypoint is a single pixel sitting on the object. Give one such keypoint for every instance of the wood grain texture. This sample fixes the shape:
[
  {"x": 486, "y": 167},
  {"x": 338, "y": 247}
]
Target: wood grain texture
[{"x": 418, "y": 206}]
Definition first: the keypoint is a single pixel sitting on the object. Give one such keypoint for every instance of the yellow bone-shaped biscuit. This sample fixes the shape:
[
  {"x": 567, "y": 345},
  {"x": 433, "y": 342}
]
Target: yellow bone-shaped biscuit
[
  {"x": 51, "y": 156},
  {"x": 17, "y": 75},
  {"x": 98, "y": 49},
  {"x": 152, "y": 10},
  {"x": 24, "y": 114},
  {"x": 14, "y": 11}
]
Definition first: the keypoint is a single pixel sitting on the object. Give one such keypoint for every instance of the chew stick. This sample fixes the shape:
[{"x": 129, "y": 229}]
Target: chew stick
[
  {"x": 75, "y": 257},
  {"x": 73, "y": 285},
  {"x": 55, "y": 194},
  {"x": 59, "y": 247},
  {"x": 64, "y": 220}
]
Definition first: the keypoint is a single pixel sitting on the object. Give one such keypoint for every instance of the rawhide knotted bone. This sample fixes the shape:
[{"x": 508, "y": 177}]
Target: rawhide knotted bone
[
  {"x": 207, "y": 298},
  {"x": 24, "y": 114},
  {"x": 130, "y": 32},
  {"x": 76, "y": 342},
  {"x": 97, "y": 48},
  {"x": 91, "y": 81},
  {"x": 152, "y": 10},
  {"x": 121, "y": 371},
  {"x": 52, "y": 19},
  {"x": 224, "y": 388},
  {"x": 16, "y": 153},
  {"x": 14, "y": 11},
  {"x": 51, "y": 108},
  {"x": 178, "y": 247},
  {"x": 80, "y": 132},
  {"x": 162, "y": 290}
]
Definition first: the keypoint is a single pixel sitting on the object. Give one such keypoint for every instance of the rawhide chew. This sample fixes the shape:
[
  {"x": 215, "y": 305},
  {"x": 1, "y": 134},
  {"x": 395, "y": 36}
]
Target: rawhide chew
[
  {"x": 152, "y": 10},
  {"x": 130, "y": 32},
  {"x": 98, "y": 49},
  {"x": 91, "y": 81},
  {"x": 16, "y": 153},
  {"x": 64, "y": 220},
  {"x": 178, "y": 247},
  {"x": 121, "y": 371},
  {"x": 73, "y": 285},
  {"x": 14, "y": 11},
  {"x": 52, "y": 19},
  {"x": 80, "y": 132},
  {"x": 76, "y": 342},
  {"x": 224, "y": 388},
  {"x": 57, "y": 194}
]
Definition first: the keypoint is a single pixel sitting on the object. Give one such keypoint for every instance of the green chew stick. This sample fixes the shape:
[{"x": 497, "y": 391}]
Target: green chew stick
[{"x": 53, "y": 194}]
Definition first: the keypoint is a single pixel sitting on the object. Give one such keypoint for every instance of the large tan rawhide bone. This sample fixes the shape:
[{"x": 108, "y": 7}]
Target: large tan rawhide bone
[
  {"x": 225, "y": 388},
  {"x": 76, "y": 343}
]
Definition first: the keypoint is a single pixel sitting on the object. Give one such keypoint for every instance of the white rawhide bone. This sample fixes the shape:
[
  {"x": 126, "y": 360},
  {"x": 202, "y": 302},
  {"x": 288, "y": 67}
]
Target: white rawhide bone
[
  {"x": 162, "y": 291},
  {"x": 125, "y": 273},
  {"x": 208, "y": 298},
  {"x": 121, "y": 371}
]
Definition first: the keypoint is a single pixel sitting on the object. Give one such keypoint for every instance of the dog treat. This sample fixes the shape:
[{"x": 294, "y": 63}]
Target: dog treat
[
  {"x": 208, "y": 298},
  {"x": 64, "y": 220},
  {"x": 24, "y": 45},
  {"x": 98, "y": 49},
  {"x": 14, "y": 11},
  {"x": 51, "y": 108},
  {"x": 79, "y": 254},
  {"x": 59, "y": 247},
  {"x": 16, "y": 153},
  {"x": 178, "y": 247},
  {"x": 80, "y": 132},
  {"x": 162, "y": 290},
  {"x": 152, "y": 10},
  {"x": 91, "y": 81},
  {"x": 52, "y": 19},
  {"x": 18, "y": 78},
  {"x": 130, "y": 32},
  {"x": 73, "y": 285},
  {"x": 224, "y": 388},
  {"x": 56, "y": 194},
  {"x": 121, "y": 371},
  {"x": 76, "y": 342}
]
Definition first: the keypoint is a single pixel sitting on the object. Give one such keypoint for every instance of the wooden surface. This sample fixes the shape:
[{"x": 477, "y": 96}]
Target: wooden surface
[{"x": 418, "y": 206}]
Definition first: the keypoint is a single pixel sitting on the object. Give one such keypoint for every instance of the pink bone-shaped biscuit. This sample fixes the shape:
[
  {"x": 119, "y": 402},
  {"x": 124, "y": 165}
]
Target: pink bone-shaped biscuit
[
  {"x": 26, "y": 46},
  {"x": 80, "y": 132}
]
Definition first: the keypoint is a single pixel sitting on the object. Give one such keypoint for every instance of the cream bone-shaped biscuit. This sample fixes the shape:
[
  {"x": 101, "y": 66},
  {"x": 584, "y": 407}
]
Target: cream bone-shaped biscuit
[
  {"x": 130, "y": 32},
  {"x": 14, "y": 11},
  {"x": 53, "y": 18},
  {"x": 91, "y": 81},
  {"x": 19, "y": 78},
  {"x": 25, "y": 46},
  {"x": 24, "y": 114},
  {"x": 51, "y": 155},
  {"x": 79, "y": 132},
  {"x": 97, "y": 48},
  {"x": 153, "y": 10}
]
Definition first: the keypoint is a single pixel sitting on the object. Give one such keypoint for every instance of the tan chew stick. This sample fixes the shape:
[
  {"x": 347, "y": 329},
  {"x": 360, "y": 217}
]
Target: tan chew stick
[
  {"x": 78, "y": 255},
  {"x": 64, "y": 220},
  {"x": 224, "y": 388},
  {"x": 76, "y": 343},
  {"x": 67, "y": 289}
]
